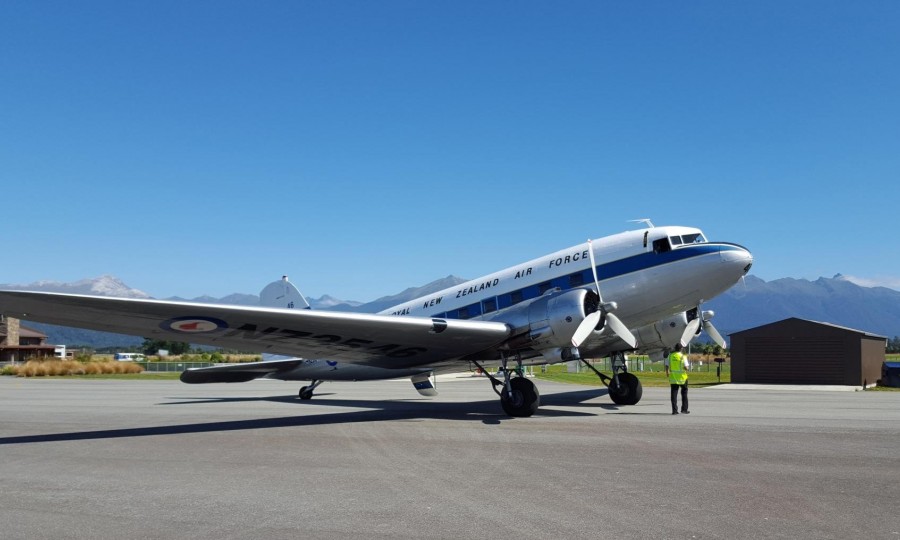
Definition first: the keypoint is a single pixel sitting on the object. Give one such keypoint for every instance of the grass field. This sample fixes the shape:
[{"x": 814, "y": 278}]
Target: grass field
[{"x": 653, "y": 375}]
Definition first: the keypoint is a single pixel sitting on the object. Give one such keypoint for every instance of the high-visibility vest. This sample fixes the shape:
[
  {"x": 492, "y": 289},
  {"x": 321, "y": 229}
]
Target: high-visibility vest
[{"x": 677, "y": 374}]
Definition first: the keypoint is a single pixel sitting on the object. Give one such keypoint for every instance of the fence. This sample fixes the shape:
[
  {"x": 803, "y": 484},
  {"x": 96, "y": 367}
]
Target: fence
[{"x": 164, "y": 367}]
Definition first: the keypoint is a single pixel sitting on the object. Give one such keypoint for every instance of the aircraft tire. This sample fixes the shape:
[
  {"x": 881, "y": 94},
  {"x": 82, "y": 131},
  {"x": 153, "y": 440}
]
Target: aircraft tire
[
  {"x": 305, "y": 393},
  {"x": 628, "y": 392},
  {"x": 525, "y": 398}
]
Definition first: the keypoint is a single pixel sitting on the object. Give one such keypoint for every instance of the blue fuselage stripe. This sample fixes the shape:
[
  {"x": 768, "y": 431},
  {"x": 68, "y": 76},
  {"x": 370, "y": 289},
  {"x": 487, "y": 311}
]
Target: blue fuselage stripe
[{"x": 621, "y": 267}]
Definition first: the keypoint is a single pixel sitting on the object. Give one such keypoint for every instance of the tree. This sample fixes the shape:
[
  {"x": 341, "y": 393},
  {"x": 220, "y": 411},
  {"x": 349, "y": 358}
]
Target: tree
[{"x": 893, "y": 345}]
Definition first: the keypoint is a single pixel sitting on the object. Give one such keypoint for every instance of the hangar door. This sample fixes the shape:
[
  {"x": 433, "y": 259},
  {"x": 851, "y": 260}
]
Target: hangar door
[{"x": 794, "y": 360}]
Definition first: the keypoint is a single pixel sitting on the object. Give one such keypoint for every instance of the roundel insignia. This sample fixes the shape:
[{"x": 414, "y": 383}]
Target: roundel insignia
[{"x": 193, "y": 325}]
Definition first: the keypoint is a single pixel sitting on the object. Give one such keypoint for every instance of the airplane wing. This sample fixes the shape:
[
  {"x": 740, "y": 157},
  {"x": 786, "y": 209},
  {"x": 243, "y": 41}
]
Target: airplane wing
[{"x": 378, "y": 340}]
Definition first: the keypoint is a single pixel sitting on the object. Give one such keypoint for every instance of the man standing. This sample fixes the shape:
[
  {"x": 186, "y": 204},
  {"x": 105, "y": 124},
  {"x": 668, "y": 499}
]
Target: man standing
[{"x": 677, "y": 366}]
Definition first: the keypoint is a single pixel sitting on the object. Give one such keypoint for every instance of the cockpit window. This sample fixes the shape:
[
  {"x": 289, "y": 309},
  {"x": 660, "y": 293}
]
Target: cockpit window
[
  {"x": 685, "y": 239},
  {"x": 693, "y": 238}
]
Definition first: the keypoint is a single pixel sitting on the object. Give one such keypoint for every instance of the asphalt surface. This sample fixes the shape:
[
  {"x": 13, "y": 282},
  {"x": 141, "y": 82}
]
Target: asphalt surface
[{"x": 161, "y": 459}]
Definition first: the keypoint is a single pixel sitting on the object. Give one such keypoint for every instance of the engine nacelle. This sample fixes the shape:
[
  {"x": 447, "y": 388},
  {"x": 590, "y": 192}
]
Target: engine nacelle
[
  {"x": 550, "y": 320},
  {"x": 662, "y": 336}
]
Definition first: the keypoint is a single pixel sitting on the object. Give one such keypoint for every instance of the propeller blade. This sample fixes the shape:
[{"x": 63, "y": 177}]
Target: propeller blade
[
  {"x": 585, "y": 328},
  {"x": 689, "y": 332},
  {"x": 594, "y": 269},
  {"x": 619, "y": 328},
  {"x": 714, "y": 334},
  {"x": 616, "y": 325}
]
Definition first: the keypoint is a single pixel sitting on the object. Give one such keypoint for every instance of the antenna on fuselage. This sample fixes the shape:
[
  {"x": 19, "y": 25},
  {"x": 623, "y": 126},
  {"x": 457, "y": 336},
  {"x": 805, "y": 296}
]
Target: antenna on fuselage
[{"x": 645, "y": 221}]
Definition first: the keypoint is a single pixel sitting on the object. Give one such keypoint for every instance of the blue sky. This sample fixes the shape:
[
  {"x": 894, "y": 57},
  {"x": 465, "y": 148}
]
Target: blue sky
[{"x": 364, "y": 147}]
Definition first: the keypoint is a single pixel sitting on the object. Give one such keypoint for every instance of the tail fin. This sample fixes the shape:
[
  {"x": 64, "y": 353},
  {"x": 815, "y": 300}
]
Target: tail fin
[{"x": 282, "y": 294}]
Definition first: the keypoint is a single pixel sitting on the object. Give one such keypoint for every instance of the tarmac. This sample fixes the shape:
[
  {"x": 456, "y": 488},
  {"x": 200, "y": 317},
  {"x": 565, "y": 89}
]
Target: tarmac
[{"x": 161, "y": 459}]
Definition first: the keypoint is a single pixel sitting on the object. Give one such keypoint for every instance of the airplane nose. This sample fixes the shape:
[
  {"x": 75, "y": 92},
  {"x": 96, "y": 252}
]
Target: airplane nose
[{"x": 737, "y": 256}]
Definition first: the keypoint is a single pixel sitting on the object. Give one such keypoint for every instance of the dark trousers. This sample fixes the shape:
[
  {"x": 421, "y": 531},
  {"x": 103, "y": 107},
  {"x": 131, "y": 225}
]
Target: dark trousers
[{"x": 684, "y": 401}]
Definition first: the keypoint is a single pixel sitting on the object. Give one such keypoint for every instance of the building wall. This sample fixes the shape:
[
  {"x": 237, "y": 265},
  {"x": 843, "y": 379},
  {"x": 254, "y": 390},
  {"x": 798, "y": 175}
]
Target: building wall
[
  {"x": 12, "y": 332},
  {"x": 795, "y": 351},
  {"x": 873, "y": 357}
]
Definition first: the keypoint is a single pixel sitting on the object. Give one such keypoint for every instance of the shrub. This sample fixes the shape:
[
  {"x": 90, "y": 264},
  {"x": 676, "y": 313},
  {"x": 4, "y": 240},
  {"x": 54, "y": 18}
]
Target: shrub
[{"x": 37, "y": 368}]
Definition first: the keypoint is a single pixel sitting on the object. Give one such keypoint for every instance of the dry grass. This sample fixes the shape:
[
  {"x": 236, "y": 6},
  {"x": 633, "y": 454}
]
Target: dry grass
[{"x": 56, "y": 368}]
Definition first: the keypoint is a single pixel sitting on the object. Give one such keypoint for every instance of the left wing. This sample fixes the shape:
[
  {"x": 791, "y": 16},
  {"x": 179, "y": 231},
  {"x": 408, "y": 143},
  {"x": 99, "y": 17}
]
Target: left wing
[{"x": 378, "y": 340}]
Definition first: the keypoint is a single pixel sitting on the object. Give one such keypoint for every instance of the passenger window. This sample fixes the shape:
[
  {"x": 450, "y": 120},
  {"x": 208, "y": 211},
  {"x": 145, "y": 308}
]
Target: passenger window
[
  {"x": 516, "y": 297},
  {"x": 504, "y": 301},
  {"x": 489, "y": 305},
  {"x": 530, "y": 292},
  {"x": 544, "y": 287}
]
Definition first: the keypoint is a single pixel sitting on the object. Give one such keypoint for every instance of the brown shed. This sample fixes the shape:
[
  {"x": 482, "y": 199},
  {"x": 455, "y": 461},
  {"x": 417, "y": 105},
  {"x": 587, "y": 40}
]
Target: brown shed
[{"x": 797, "y": 351}]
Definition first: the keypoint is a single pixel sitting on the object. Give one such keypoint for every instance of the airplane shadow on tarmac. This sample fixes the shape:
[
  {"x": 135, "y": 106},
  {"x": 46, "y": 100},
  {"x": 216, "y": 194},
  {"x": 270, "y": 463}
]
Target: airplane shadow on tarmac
[{"x": 487, "y": 412}]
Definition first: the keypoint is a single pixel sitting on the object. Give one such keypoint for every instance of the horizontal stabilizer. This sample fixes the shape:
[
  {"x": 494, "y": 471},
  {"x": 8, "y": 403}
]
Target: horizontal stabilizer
[
  {"x": 231, "y": 373},
  {"x": 200, "y": 377}
]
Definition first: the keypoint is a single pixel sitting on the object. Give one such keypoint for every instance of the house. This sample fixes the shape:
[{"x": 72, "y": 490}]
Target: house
[{"x": 19, "y": 343}]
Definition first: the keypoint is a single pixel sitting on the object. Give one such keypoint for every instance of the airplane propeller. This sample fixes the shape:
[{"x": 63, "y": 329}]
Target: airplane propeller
[
  {"x": 693, "y": 326},
  {"x": 604, "y": 310}
]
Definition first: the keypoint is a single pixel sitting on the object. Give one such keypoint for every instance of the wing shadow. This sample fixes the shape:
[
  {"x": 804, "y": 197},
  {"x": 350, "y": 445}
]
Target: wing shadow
[{"x": 487, "y": 411}]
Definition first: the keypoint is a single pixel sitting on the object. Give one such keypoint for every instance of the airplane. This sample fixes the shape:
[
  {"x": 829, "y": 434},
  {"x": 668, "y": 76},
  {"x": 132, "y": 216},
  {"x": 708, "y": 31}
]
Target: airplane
[{"x": 639, "y": 291}]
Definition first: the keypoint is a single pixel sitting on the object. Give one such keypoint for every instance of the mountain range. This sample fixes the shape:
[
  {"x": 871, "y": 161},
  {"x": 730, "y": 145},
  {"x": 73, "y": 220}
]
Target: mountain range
[{"x": 749, "y": 304}]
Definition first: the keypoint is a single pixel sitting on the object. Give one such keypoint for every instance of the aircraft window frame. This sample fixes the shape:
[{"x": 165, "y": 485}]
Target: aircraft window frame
[
  {"x": 517, "y": 296},
  {"x": 489, "y": 305},
  {"x": 675, "y": 240}
]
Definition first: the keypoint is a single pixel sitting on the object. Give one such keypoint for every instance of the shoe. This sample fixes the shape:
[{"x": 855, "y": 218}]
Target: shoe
[
  {"x": 674, "y": 412},
  {"x": 685, "y": 412}
]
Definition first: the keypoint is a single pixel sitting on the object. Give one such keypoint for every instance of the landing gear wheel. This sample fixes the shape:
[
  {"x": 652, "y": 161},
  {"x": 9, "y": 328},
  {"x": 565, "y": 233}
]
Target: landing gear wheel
[
  {"x": 628, "y": 391},
  {"x": 525, "y": 398},
  {"x": 306, "y": 393}
]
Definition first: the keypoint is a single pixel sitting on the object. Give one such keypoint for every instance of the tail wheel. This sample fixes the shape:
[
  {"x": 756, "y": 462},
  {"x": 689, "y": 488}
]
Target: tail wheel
[{"x": 628, "y": 391}]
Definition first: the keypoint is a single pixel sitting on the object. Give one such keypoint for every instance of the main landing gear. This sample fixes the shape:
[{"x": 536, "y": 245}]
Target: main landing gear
[
  {"x": 519, "y": 397},
  {"x": 307, "y": 391},
  {"x": 624, "y": 387}
]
